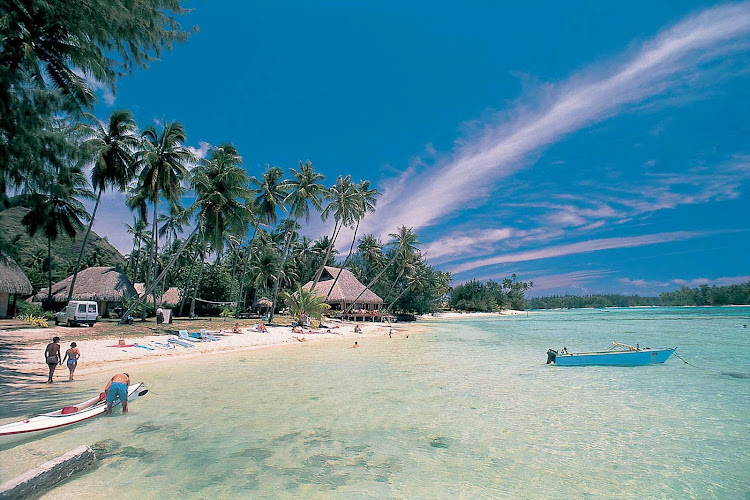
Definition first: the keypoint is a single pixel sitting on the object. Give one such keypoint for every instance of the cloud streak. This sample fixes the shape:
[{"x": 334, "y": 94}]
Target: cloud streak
[
  {"x": 658, "y": 66},
  {"x": 580, "y": 247}
]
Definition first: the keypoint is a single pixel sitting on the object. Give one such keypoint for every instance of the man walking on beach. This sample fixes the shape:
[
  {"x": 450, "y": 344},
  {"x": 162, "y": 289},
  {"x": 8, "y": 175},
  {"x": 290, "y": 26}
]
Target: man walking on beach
[
  {"x": 117, "y": 388},
  {"x": 52, "y": 357}
]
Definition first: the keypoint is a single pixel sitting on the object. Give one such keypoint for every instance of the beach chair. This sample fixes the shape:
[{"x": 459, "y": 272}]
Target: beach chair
[
  {"x": 205, "y": 336},
  {"x": 184, "y": 335}
]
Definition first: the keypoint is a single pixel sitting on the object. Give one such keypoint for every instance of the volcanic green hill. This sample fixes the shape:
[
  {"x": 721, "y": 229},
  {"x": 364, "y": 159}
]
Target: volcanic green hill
[{"x": 31, "y": 253}]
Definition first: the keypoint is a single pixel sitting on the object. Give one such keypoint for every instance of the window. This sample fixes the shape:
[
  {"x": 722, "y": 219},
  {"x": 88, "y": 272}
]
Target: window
[
  {"x": 92, "y": 308},
  {"x": 81, "y": 308}
]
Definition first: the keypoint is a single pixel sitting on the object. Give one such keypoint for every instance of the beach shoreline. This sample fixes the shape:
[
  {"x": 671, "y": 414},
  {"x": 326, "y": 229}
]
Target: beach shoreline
[{"x": 102, "y": 353}]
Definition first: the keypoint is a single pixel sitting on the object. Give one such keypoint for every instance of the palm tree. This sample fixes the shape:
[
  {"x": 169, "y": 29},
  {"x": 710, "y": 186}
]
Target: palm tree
[
  {"x": 138, "y": 230},
  {"x": 220, "y": 185},
  {"x": 304, "y": 189},
  {"x": 367, "y": 199},
  {"x": 269, "y": 193},
  {"x": 56, "y": 206},
  {"x": 164, "y": 165},
  {"x": 112, "y": 148},
  {"x": 405, "y": 243},
  {"x": 344, "y": 207},
  {"x": 305, "y": 303}
]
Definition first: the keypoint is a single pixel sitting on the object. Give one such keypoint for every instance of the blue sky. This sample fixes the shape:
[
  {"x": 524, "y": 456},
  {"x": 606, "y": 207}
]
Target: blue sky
[{"x": 589, "y": 148}]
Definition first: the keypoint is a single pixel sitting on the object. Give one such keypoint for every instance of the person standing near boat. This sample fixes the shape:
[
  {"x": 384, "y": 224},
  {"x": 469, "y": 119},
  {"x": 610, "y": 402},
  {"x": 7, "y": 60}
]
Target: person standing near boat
[
  {"x": 117, "y": 388},
  {"x": 72, "y": 355},
  {"x": 52, "y": 357}
]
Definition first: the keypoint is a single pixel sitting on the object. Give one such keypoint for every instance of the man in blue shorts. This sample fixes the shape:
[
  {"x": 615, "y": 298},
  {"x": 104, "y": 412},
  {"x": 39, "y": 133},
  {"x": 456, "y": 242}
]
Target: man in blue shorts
[{"x": 117, "y": 388}]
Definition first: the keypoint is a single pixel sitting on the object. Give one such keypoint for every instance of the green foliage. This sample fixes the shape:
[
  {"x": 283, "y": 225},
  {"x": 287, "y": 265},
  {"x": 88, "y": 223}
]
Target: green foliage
[
  {"x": 490, "y": 296},
  {"x": 31, "y": 251},
  {"x": 305, "y": 302},
  {"x": 25, "y": 308},
  {"x": 228, "y": 312}
]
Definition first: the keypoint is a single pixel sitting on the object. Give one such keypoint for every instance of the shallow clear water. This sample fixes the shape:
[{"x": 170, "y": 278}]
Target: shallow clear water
[{"x": 468, "y": 410}]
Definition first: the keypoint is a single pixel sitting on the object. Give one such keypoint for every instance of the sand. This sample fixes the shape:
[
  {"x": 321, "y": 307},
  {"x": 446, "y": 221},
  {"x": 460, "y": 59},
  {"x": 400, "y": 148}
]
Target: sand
[{"x": 105, "y": 355}]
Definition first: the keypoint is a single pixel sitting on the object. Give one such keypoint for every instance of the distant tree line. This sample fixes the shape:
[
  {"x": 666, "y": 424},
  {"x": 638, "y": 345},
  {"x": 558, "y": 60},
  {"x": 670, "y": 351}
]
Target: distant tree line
[
  {"x": 703, "y": 295},
  {"x": 491, "y": 296}
]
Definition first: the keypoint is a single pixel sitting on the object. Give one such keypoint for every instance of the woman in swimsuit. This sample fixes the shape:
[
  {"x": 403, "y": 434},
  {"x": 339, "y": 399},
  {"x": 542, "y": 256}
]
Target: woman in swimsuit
[{"x": 72, "y": 356}]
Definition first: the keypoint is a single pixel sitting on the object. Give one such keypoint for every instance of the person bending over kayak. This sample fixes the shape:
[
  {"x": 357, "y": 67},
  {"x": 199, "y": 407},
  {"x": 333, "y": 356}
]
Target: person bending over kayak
[
  {"x": 72, "y": 356},
  {"x": 52, "y": 357},
  {"x": 117, "y": 388}
]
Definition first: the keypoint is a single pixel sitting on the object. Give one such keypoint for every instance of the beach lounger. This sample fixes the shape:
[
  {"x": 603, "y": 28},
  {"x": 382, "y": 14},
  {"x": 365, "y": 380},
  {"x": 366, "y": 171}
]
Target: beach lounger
[
  {"x": 184, "y": 335},
  {"x": 204, "y": 335},
  {"x": 180, "y": 343}
]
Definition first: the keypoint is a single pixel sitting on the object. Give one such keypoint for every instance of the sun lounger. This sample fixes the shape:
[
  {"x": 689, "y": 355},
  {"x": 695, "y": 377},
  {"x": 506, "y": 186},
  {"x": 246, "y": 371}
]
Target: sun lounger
[
  {"x": 180, "y": 343},
  {"x": 203, "y": 335},
  {"x": 184, "y": 335}
]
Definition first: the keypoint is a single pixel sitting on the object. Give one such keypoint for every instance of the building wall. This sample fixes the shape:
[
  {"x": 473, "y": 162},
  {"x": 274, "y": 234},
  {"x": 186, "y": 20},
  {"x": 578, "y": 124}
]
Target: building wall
[{"x": 4, "y": 298}]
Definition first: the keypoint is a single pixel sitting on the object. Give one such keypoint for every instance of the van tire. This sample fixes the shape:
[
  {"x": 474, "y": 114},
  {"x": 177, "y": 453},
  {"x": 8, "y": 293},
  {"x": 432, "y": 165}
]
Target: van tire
[
  {"x": 70, "y": 323},
  {"x": 91, "y": 324},
  {"x": 57, "y": 321}
]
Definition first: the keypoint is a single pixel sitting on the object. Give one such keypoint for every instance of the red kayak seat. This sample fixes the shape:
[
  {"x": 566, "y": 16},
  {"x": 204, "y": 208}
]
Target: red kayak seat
[{"x": 69, "y": 409}]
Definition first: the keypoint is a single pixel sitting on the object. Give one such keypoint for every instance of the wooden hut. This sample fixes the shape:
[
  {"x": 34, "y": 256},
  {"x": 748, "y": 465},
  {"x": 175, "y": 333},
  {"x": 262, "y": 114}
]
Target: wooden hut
[
  {"x": 13, "y": 282},
  {"x": 105, "y": 285},
  {"x": 346, "y": 290}
]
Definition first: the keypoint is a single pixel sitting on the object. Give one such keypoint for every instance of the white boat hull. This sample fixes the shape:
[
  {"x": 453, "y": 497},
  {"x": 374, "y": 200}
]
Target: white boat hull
[{"x": 37, "y": 426}]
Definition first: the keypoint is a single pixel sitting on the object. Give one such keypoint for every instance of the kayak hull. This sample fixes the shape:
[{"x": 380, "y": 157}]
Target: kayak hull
[
  {"x": 615, "y": 358},
  {"x": 42, "y": 424}
]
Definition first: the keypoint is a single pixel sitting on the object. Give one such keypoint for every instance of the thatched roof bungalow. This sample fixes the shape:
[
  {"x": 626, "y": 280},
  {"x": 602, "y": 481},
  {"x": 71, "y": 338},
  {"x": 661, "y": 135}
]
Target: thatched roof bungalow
[
  {"x": 13, "y": 282},
  {"x": 171, "y": 297},
  {"x": 346, "y": 290},
  {"x": 104, "y": 285}
]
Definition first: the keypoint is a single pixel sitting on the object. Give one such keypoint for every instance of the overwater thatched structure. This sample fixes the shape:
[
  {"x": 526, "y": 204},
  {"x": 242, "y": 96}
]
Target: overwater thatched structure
[
  {"x": 13, "y": 282},
  {"x": 346, "y": 290},
  {"x": 105, "y": 285}
]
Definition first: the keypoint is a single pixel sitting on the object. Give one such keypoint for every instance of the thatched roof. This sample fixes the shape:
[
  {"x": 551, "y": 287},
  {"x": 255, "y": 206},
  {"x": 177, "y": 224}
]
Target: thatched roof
[
  {"x": 171, "y": 297},
  {"x": 347, "y": 288},
  {"x": 106, "y": 284},
  {"x": 262, "y": 302},
  {"x": 12, "y": 279}
]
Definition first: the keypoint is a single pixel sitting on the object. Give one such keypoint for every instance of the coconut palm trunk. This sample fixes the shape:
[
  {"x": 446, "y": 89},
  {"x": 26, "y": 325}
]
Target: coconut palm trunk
[
  {"x": 346, "y": 261},
  {"x": 198, "y": 283},
  {"x": 241, "y": 291},
  {"x": 329, "y": 248},
  {"x": 374, "y": 280},
  {"x": 284, "y": 256},
  {"x": 83, "y": 247},
  {"x": 188, "y": 282},
  {"x": 49, "y": 271},
  {"x": 164, "y": 271}
]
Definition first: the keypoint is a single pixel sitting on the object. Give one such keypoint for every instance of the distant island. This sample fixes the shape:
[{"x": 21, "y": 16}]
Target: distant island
[{"x": 491, "y": 296}]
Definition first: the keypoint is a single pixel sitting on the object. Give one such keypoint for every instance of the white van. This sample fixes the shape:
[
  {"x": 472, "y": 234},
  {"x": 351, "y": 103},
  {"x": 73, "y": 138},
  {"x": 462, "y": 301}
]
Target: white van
[{"x": 78, "y": 312}]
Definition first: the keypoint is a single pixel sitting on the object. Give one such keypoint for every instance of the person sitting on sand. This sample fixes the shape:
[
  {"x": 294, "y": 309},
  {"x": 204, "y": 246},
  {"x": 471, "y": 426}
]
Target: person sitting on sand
[
  {"x": 236, "y": 328},
  {"x": 262, "y": 328},
  {"x": 117, "y": 388},
  {"x": 72, "y": 356},
  {"x": 357, "y": 329},
  {"x": 354, "y": 346},
  {"x": 52, "y": 357},
  {"x": 297, "y": 329}
]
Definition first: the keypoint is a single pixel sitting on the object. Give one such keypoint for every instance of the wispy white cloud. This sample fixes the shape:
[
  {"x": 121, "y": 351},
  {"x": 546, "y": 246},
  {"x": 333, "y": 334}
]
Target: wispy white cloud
[
  {"x": 673, "y": 57},
  {"x": 640, "y": 282},
  {"x": 575, "y": 279},
  {"x": 201, "y": 151},
  {"x": 580, "y": 247},
  {"x": 455, "y": 244}
]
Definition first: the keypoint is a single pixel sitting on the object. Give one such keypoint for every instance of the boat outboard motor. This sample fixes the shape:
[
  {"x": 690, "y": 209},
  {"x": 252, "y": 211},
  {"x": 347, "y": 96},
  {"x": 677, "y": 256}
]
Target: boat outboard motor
[{"x": 551, "y": 356}]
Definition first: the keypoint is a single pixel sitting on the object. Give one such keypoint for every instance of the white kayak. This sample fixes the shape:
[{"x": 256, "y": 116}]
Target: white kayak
[{"x": 36, "y": 426}]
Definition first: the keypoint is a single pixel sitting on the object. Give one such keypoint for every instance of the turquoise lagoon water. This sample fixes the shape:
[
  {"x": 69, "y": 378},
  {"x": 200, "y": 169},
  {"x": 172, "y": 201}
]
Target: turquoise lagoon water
[{"x": 468, "y": 410}]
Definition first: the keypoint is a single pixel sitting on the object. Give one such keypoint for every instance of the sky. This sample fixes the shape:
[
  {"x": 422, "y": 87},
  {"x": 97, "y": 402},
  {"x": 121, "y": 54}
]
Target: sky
[{"x": 600, "y": 147}]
